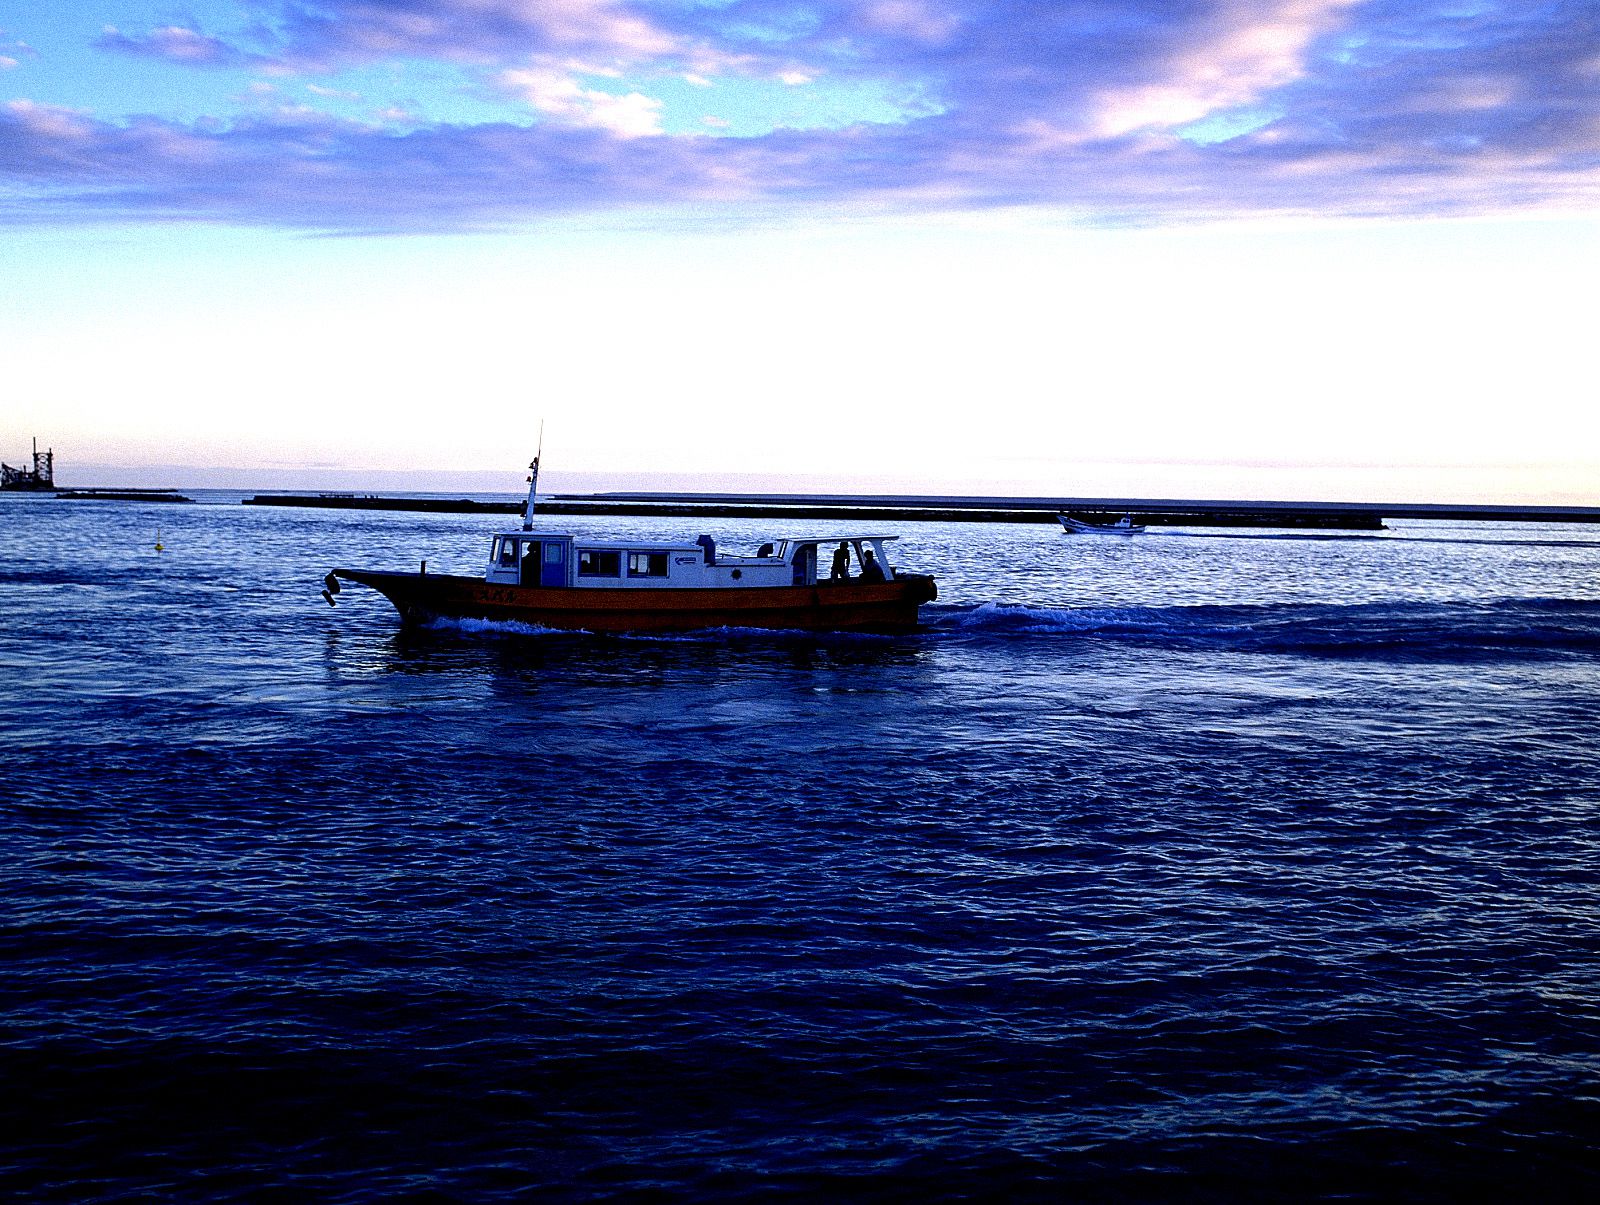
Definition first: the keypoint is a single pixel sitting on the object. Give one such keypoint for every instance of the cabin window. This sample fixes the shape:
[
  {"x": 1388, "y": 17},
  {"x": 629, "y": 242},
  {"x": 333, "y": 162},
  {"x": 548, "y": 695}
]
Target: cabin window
[
  {"x": 508, "y": 553},
  {"x": 647, "y": 564},
  {"x": 593, "y": 562},
  {"x": 552, "y": 554}
]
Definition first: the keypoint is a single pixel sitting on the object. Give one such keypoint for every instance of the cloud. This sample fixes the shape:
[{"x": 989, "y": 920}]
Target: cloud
[
  {"x": 342, "y": 32},
  {"x": 53, "y": 125},
  {"x": 175, "y": 44},
  {"x": 1246, "y": 51},
  {"x": 560, "y": 97},
  {"x": 300, "y": 169},
  {"x": 12, "y": 53},
  {"x": 913, "y": 19},
  {"x": 1308, "y": 106}
]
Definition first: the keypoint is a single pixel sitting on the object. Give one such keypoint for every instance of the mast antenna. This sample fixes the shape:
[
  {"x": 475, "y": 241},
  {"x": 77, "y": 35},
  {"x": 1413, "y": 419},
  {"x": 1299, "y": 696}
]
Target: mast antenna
[{"x": 533, "y": 481}]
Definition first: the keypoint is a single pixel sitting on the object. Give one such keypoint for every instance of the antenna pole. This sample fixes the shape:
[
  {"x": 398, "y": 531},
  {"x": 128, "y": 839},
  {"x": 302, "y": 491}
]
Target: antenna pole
[{"x": 533, "y": 481}]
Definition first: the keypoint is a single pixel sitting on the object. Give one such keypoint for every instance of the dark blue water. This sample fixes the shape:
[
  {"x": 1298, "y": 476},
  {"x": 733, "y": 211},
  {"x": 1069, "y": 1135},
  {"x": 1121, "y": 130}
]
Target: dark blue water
[{"x": 1186, "y": 867}]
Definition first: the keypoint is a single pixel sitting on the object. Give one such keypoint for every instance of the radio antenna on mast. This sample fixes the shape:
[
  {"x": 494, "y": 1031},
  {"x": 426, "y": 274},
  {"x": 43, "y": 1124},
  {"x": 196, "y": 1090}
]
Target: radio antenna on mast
[{"x": 533, "y": 481}]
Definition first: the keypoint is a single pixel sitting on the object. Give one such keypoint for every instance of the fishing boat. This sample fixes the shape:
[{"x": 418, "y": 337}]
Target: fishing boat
[
  {"x": 554, "y": 579},
  {"x": 1124, "y": 526}
]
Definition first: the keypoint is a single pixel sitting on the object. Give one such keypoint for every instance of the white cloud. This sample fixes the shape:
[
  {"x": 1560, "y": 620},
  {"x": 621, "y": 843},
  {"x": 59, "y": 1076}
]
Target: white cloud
[
  {"x": 472, "y": 31},
  {"x": 559, "y": 96},
  {"x": 1252, "y": 49},
  {"x": 593, "y": 22},
  {"x": 1328, "y": 107},
  {"x": 50, "y": 121},
  {"x": 929, "y": 23},
  {"x": 175, "y": 43}
]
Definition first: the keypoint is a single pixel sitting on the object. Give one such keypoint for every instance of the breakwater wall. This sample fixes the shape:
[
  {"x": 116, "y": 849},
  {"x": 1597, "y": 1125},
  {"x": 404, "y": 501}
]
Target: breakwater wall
[
  {"x": 854, "y": 511},
  {"x": 467, "y": 506},
  {"x": 1152, "y": 511},
  {"x": 122, "y": 495},
  {"x": 937, "y": 514},
  {"x": 1327, "y": 516}
]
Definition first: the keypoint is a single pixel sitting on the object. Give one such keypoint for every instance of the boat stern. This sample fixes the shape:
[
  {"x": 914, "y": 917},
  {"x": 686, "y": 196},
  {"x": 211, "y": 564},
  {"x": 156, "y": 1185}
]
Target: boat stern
[{"x": 920, "y": 587}]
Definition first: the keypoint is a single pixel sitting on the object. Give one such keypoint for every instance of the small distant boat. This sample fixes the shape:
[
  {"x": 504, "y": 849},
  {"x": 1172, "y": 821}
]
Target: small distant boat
[
  {"x": 1124, "y": 526},
  {"x": 563, "y": 580}
]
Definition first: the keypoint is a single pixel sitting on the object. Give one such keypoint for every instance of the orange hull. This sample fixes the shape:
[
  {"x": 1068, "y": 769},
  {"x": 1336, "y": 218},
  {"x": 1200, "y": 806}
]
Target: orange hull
[{"x": 852, "y": 606}]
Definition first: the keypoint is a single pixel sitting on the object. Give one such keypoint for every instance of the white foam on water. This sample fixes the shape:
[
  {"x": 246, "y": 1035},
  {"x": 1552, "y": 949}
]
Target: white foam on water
[
  {"x": 496, "y": 627},
  {"x": 1021, "y": 617}
]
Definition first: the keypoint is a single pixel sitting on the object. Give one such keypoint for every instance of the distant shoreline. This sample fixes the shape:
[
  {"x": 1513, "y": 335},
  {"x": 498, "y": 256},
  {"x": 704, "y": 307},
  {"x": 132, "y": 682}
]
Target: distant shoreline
[
  {"x": 792, "y": 507},
  {"x": 1343, "y": 516},
  {"x": 1167, "y": 512}
]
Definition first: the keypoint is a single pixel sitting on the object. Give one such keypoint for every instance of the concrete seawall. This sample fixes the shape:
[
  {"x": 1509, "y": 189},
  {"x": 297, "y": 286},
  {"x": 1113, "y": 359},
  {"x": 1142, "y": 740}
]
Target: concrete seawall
[
  {"x": 937, "y": 514},
  {"x": 854, "y": 511},
  {"x": 466, "y": 506},
  {"x": 1328, "y": 516},
  {"x": 1189, "y": 511}
]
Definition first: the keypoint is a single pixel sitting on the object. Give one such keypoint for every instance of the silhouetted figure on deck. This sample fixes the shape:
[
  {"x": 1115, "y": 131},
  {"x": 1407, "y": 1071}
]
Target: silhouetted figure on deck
[
  {"x": 871, "y": 571},
  {"x": 841, "y": 563}
]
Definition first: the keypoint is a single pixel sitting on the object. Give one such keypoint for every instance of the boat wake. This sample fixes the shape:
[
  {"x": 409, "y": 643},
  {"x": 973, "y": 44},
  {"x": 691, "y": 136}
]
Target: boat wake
[
  {"x": 767, "y": 635},
  {"x": 505, "y": 627},
  {"x": 1528, "y": 629},
  {"x": 1023, "y": 618},
  {"x": 1519, "y": 628},
  {"x": 492, "y": 627}
]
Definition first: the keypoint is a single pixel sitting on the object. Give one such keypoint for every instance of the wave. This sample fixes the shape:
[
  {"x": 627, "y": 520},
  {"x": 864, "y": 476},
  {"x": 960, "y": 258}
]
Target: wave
[
  {"x": 493, "y": 627},
  {"x": 508, "y": 627},
  {"x": 716, "y": 635},
  {"x": 1528, "y": 627},
  {"x": 1269, "y": 535}
]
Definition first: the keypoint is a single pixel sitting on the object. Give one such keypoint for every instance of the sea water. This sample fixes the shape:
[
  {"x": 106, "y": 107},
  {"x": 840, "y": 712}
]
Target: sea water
[{"x": 1197, "y": 865}]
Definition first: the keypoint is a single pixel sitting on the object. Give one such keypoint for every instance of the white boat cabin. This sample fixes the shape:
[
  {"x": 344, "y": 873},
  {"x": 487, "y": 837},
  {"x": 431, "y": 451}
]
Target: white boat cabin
[{"x": 531, "y": 558}]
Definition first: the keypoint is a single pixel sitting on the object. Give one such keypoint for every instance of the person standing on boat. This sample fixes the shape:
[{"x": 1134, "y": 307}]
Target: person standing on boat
[{"x": 841, "y": 563}]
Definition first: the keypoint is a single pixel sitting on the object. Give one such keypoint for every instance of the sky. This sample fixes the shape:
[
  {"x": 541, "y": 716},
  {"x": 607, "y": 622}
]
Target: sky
[{"x": 1296, "y": 249}]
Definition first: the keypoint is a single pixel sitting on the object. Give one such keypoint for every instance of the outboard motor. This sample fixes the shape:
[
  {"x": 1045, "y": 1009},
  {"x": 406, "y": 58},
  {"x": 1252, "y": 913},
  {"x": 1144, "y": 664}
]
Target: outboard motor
[{"x": 922, "y": 585}]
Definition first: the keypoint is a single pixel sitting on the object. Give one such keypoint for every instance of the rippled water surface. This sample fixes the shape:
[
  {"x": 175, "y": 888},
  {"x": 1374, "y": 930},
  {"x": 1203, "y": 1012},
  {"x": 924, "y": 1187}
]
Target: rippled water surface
[{"x": 1196, "y": 866}]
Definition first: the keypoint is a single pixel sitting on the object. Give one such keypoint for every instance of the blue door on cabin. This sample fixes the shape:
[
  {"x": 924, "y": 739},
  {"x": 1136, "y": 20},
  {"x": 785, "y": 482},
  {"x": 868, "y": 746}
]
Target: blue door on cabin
[{"x": 554, "y": 570}]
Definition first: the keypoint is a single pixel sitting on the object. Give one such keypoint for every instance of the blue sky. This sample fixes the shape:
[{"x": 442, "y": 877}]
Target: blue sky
[{"x": 1289, "y": 247}]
